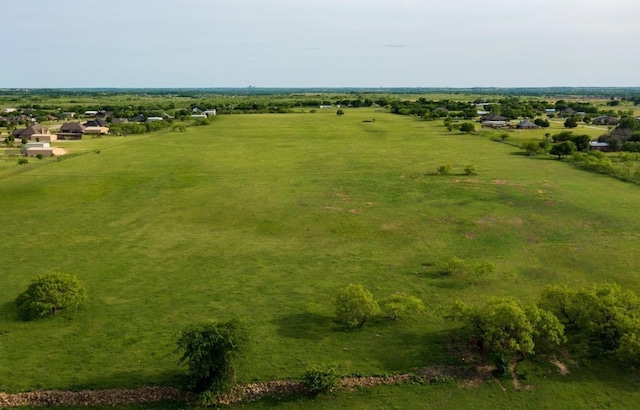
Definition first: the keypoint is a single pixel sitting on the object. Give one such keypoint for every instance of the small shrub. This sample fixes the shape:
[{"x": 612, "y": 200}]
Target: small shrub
[
  {"x": 453, "y": 266},
  {"x": 210, "y": 350},
  {"x": 400, "y": 304},
  {"x": 444, "y": 169},
  {"x": 50, "y": 294},
  {"x": 339, "y": 112},
  {"x": 439, "y": 380},
  {"x": 39, "y": 156},
  {"x": 23, "y": 161},
  {"x": 469, "y": 170},
  {"x": 320, "y": 379},
  {"x": 467, "y": 127}
]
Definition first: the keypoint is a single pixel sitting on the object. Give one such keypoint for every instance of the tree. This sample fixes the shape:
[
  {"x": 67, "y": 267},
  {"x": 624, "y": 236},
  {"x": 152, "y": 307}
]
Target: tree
[
  {"x": 50, "y": 294},
  {"x": 400, "y": 304},
  {"x": 467, "y": 127},
  {"x": 210, "y": 351},
  {"x": 606, "y": 314},
  {"x": 544, "y": 145},
  {"x": 505, "y": 327},
  {"x": 531, "y": 147},
  {"x": 354, "y": 305},
  {"x": 562, "y": 149},
  {"x": 541, "y": 123},
  {"x": 570, "y": 122},
  {"x": 582, "y": 142}
]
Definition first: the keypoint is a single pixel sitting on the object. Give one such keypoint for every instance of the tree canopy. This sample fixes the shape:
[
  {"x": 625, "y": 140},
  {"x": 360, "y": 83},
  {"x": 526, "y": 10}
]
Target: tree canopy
[
  {"x": 354, "y": 305},
  {"x": 507, "y": 327},
  {"x": 49, "y": 294},
  {"x": 210, "y": 350}
]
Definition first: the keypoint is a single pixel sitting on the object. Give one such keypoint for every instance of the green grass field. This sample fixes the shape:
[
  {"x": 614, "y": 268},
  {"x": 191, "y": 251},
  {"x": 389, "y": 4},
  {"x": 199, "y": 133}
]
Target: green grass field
[{"x": 266, "y": 217}]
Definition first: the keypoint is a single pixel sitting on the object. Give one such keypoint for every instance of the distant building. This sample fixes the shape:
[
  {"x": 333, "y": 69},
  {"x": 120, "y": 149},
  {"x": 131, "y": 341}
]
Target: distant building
[
  {"x": 32, "y": 149},
  {"x": 71, "y": 131},
  {"x": 29, "y": 131},
  {"x": 526, "y": 125},
  {"x": 605, "y": 120},
  {"x": 599, "y": 146}
]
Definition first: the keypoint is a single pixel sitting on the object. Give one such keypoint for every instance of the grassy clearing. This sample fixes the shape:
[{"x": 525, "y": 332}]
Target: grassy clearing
[{"x": 267, "y": 217}]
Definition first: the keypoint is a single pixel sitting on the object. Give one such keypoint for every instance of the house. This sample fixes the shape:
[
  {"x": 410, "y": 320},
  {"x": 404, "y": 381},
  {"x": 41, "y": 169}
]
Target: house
[
  {"x": 493, "y": 117},
  {"x": 29, "y": 131},
  {"x": 494, "y": 124},
  {"x": 198, "y": 115},
  {"x": 605, "y": 120},
  {"x": 71, "y": 131},
  {"x": 138, "y": 118},
  {"x": 526, "y": 125},
  {"x": 599, "y": 146},
  {"x": 90, "y": 113},
  {"x": 43, "y": 137},
  {"x": 550, "y": 111},
  {"x": 210, "y": 112},
  {"x": 96, "y": 130},
  {"x": 67, "y": 115},
  {"x": 32, "y": 149},
  {"x": 568, "y": 112},
  {"x": 153, "y": 119},
  {"x": 8, "y": 110},
  {"x": 96, "y": 123}
]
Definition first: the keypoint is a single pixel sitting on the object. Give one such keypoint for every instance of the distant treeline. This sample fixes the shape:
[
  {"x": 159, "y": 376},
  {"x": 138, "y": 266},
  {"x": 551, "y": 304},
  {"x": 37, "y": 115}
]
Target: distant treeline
[{"x": 619, "y": 92}]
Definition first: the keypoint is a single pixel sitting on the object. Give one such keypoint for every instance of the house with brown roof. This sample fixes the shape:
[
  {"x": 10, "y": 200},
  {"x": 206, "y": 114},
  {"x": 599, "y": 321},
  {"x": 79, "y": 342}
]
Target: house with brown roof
[
  {"x": 71, "y": 131},
  {"x": 605, "y": 120},
  {"x": 29, "y": 131}
]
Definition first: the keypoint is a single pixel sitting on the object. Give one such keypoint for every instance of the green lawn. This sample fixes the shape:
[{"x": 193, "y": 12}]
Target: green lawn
[{"x": 267, "y": 217}]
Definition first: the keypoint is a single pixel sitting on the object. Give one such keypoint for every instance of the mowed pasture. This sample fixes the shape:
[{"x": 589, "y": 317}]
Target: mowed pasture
[{"x": 266, "y": 217}]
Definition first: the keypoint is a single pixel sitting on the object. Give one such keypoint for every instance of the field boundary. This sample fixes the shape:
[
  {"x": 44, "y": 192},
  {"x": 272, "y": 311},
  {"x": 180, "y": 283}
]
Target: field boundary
[{"x": 239, "y": 394}]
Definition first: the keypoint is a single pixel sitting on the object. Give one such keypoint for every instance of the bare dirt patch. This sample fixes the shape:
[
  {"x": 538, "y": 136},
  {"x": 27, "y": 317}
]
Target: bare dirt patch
[{"x": 562, "y": 368}]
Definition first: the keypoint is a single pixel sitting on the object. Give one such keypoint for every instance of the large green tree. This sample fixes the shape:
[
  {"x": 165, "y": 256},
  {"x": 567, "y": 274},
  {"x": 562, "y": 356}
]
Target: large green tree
[
  {"x": 354, "y": 305},
  {"x": 605, "y": 315},
  {"x": 506, "y": 327},
  {"x": 563, "y": 149}
]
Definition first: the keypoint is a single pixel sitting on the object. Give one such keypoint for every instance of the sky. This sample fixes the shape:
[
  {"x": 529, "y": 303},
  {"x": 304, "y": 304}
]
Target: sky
[{"x": 319, "y": 43}]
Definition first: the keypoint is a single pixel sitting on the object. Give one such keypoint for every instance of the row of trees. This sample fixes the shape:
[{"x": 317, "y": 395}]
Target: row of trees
[{"x": 595, "y": 320}]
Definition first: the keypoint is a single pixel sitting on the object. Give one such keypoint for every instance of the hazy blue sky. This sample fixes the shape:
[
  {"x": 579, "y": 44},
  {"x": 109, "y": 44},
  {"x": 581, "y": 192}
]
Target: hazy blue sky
[{"x": 319, "y": 43}]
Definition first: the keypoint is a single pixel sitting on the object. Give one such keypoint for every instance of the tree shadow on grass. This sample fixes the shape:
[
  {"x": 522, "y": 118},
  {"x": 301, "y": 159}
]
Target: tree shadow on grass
[
  {"x": 310, "y": 326},
  {"x": 129, "y": 380},
  {"x": 416, "y": 350},
  {"x": 8, "y": 310}
]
